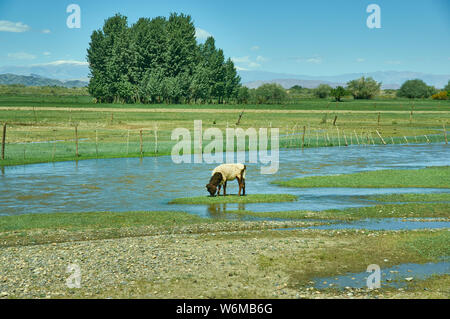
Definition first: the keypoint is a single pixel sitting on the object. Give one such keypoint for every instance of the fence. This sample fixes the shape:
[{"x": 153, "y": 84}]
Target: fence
[{"x": 75, "y": 143}]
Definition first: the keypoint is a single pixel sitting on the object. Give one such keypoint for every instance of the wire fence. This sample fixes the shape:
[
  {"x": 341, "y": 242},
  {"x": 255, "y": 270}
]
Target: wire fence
[{"x": 64, "y": 144}]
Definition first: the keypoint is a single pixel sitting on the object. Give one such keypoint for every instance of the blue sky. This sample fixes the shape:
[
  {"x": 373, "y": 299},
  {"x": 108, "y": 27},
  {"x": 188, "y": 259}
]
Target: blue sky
[{"x": 298, "y": 37}]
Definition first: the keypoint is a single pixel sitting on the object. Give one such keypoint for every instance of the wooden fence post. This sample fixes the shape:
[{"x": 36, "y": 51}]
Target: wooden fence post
[
  {"x": 303, "y": 138},
  {"x": 3, "y": 141}
]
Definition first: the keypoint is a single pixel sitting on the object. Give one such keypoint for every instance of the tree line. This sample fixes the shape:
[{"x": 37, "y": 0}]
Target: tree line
[{"x": 158, "y": 61}]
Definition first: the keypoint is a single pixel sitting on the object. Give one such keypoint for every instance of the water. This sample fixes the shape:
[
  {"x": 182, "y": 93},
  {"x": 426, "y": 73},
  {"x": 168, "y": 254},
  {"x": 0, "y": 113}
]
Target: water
[
  {"x": 394, "y": 277},
  {"x": 133, "y": 184},
  {"x": 382, "y": 224}
]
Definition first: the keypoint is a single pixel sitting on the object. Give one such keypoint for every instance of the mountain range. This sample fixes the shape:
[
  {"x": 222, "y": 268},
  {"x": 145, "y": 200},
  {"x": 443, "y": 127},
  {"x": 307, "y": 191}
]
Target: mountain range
[
  {"x": 76, "y": 73},
  {"x": 389, "y": 79},
  {"x": 37, "y": 80}
]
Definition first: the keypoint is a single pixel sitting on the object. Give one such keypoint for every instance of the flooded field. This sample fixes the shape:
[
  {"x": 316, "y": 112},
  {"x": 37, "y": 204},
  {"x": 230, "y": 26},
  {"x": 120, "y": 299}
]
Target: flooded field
[{"x": 133, "y": 184}]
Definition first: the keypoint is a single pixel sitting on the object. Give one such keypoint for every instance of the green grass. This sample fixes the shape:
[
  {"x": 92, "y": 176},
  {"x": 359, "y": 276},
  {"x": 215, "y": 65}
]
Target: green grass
[
  {"x": 438, "y": 197},
  {"x": 112, "y": 130},
  {"x": 432, "y": 177},
  {"x": 431, "y": 246},
  {"x": 97, "y": 220},
  {"x": 411, "y": 210},
  {"x": 67, "y": 97},
  {"x": 254, "y": 198}
]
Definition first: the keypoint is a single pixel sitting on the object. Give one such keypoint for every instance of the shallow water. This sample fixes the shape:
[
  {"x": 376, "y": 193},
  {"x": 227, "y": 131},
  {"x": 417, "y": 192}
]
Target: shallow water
[
  {"x": 390, "y": 277},
  {"x": 131, "y": 184},
  {"x": 382, "y": 224}
]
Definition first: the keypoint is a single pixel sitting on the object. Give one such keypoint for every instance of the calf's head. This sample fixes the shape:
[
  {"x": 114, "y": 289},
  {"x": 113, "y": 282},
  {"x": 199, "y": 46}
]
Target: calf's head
[
  {"x": 212, "y": 189},
  {"x": 213, "y": 183}
]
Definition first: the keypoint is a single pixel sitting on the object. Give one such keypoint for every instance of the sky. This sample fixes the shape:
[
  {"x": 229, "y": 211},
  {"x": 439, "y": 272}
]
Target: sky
[{"x": 297, "y": 37}]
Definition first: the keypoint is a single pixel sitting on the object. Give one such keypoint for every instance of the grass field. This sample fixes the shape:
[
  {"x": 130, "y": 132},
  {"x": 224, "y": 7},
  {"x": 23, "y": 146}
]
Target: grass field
[
  {"x": 403, "y": 210},
  {"x": 431, "y": 177},
  {"x": 42, "y": 128}
]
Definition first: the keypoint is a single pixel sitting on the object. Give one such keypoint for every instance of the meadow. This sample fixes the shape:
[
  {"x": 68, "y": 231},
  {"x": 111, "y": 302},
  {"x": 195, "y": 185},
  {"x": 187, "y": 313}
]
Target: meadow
[
  {"x": 50, "y": 127},
  {"x": 173, "y": 254}
]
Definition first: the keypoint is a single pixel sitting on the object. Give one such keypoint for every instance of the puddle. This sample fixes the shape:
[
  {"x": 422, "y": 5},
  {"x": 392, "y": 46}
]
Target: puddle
[
  {"x": 383, "y": 224},
  {"x": 394, "y": 277},
  {"x": 133, "y": 184}
]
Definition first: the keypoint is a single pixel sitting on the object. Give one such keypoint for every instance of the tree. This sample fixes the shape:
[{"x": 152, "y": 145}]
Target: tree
[
  {"x": 181, "y": 45},
  {"x": 243, "y": 94},
  {"x": 414, "y": 89},
  {"x": 157, "y": 60},
  {"x": 447, "y": 87},
  {"x": 338, "y": 93},
  {"x": 232, "y": 81},
  {"x": 270, "y": 93},
  {"x": 322, "y": 91},
  {"x": 364, "y": 88}
]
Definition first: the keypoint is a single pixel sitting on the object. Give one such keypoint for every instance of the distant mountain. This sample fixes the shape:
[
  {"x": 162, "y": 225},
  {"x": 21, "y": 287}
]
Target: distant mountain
[
  {"x": 390, "y": 79},
  {"x": 61, "y": 70},
  {"x": 37, "y": 80},
  {"x": 288, "y": 83}
]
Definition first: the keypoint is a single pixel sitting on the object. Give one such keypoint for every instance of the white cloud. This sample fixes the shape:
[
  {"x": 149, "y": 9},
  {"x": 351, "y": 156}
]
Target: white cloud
[
  {"x": 359, "y": 60},
  {"x": 9, "y": 26},
  {"x": 21, "y": 56},
  {"x": 61, "y": 62},
  {"x": 240, "y": 68},
  {"x": 244, "y": 59},
  {"x": 254, "y": 48},
  {"x": 201, "y": 34},
  {"x": 46, "y": 53},
  {"x": 246, "y": 62},
  {"x": 315, "y": 60},
  {"x": 46, "y": 31},
  {"x": 260, "y": 58}
]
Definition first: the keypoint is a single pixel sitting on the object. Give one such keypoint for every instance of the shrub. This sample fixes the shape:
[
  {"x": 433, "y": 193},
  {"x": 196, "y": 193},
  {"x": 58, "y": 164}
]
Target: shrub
[
  {"x": 269, "y": 94},
  {"x": 443, "y": 95},
  {"x": 414, "y": 89},
  {"x": 364, "y": 88},
  {"x": 322, "y": 91},
  {"x": 338, "y": 93}
]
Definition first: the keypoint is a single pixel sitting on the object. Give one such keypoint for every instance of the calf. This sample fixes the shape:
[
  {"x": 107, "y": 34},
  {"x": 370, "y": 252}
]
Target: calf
[{"x": 224, "y": 173}]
